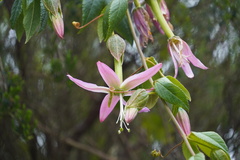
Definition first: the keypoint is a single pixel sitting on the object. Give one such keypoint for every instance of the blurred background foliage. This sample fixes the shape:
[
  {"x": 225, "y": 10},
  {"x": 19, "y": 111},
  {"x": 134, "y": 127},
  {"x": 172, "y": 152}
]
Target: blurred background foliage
[{"x": 45, "y": 116}]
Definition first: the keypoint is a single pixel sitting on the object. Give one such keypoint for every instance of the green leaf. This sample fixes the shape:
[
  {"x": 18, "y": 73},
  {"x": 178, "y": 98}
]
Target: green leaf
[
  {"x": 219, "y": 154},
  {"x": 43, "y": 17},
  {"x": 198, "y": 156},
  {"x": 186, "y": 151},
  {"x": 15, "y": 12},
  {"x": 209, "y": 142},
  {"x": 28, "y": 3},
  {"x": 171, "y": 93},
  {"x": 19, "y": 28},
  {"x": 177, "y": 83},
  {"x": 123, "y": 29},
  {"x": 100, "y": 29},
  {"x": 114, "y": 13},
  {"x": 91, "y": 9},
  {"x": 31, "y": 20}
]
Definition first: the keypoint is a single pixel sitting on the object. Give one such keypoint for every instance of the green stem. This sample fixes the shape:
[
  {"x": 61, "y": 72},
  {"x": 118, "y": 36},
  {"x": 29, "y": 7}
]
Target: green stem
[
  {"x": 183, "y": 135},
  {"x": 118, "y": 69},
  {"x": 137, "y": 4},
  {"x": 160, "y": 18},
  {"x": 151, "y": 81}
]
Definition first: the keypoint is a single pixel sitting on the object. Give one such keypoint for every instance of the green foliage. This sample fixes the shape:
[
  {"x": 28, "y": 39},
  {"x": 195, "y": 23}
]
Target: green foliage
[
  {"x": 186, "y": 151},
  {"x": 171, "y": 92},
  {"x": 114, "y": 13},
  {"x": 211, "y": 144},
  {"x": 92, "y": 9},
  {"x": 29, "y": 16},
  {"x": 31, "y": 20},
  {"x": 16, "y": 12},
  {"x": 198, "y": 156},
  {"x": 11, "y": 106},
  {"x": 124, "y": 30}
]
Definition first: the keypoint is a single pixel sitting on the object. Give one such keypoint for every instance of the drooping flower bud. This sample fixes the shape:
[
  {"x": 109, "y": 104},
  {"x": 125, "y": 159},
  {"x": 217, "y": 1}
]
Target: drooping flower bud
[
  {"x": 183, "y": 121},
  {"x": 56, "y": 16},
  {"x": 141, "y": 20},
  {"x": 58, "y": 24},
  {"x": 116, "y": 46},
  {"x": 136, "y": 103}
]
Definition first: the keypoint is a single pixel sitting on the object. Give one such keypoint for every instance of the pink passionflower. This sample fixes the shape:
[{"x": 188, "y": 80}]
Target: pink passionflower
[
  {"x": 116, "y": 89},
  {"x": 182, "y": 56},
  {"x": 183, "y": 120}
]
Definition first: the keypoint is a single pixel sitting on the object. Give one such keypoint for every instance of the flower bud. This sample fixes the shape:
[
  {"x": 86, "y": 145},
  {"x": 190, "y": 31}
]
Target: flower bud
[
  {"x": 116, "y": 46},
  {"x": 135, "y": 103},
  {"x": 183, "y": 121},
  {"x": 58, "y": 24},
  {"x": 55, "y": 14}
]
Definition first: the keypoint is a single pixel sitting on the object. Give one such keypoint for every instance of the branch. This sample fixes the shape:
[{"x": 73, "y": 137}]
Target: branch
[{"x": 76, "y": 144}]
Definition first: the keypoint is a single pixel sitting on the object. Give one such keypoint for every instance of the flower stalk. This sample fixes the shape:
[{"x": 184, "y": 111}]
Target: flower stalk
[
  {"x": 137, "y": 3},
  {"x": 169, "y": 33},
  {"x": 159, "y": 16}
]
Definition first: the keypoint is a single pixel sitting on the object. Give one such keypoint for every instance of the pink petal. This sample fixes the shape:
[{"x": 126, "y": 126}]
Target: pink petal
[
  {"x": 144, "y": 109},
  {"x": 187, "y": 69},
  {"x": 108, "y": 75},
  {"x": 105, "y": 110},
  {"x": 171, "y": 51},
  {"x": 137, "y": 79},
  {"x": 89, "y": 86},
  {"x": 190, "y": 56}
]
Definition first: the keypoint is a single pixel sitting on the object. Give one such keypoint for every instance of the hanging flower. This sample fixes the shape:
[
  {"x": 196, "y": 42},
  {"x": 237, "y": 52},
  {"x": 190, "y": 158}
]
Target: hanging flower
[
  {"x": 141, "y": 20},
  {"x": 182, "y": 56},
  {"x": 116, "y": 89}
]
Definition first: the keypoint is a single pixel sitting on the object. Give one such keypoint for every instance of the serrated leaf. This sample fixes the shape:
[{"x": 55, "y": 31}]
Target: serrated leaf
[
  {"x": 123, "y": 29},
  {"x": 198, "y": 156},
  {"x": 15, "y": 12},
  {"x": 171, "y": 93},
  {"x": 91, "y": 9},
  {"x": 31, "y": 20},
  {"x": 208, "y": 142},
  {"x": 179, "y": 84},
  {"x": 43, "y": 17},
  {"x": 114, "y": 13}
]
